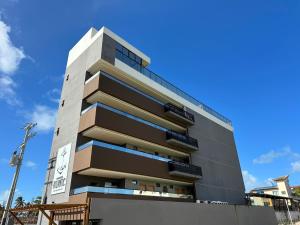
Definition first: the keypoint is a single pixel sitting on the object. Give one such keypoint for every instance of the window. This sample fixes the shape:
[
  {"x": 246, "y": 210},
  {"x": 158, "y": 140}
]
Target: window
[
  {"x": 57, "y": 132},
  {"x": 171, "y": 186},
  {"x": 165, "y": 189},
  {"x": 62, "y": 103},
  {"x": 275, "y": 192},
  {"x": 157, "y": 184},
  {"x": 134, "y": 182},
  {"x": 125, "y": 51},
  {"x": 132, "y": 56},
  {"x": 67, "y": 77},
  {"x": 283, "y": 192},
  {"x": 156, "y": 153},
  {"x": 51, "y": 164}
]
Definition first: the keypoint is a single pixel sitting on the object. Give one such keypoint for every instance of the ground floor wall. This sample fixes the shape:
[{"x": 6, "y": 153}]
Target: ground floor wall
[{"x": 139, "y": 212}]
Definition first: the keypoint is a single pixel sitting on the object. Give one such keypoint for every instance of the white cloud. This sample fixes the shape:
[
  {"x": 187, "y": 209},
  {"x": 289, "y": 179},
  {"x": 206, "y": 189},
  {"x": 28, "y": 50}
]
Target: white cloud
[
  {"x": 250, "y": 180},
  {"x": 10, "y": 59},
  {"x": 30, "y": 164},
  {"x": 44, "y": 116},
  {"x": 296, "y": 166},
  {"x": 54, "y": 95},
  {"x": 271, "y": 155},
  {"x": 7, "y": 90},
  {"x": 10, "y": 55}
]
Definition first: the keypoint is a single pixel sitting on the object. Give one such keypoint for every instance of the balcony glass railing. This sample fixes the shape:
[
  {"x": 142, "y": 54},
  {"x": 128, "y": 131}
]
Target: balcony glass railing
[
  {"x": 121, "y": 191},
  {"x": 121, "y": 149},
  {"x": 185, "y": 168},
  {"x": 148, "y": 73},
  {"x": 179, "y": 111},
  {"x": 182, "y": 138}
]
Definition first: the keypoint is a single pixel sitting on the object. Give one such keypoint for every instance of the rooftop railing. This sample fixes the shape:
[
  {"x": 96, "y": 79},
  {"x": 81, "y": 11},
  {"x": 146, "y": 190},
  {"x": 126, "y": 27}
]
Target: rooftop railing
[{"x": 148, "y": 73}]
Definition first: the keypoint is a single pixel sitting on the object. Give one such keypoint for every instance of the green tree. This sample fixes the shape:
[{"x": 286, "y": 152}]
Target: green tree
[
  {"x": 20, "y": 202},
  {"x": 37, "y": 200},
  {"x": 297, "y": 191}
]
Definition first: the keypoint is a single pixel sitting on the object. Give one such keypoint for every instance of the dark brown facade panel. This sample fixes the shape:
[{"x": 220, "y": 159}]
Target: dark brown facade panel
[
  {"x": 112, "y": 121},
  {"x": 108, "y": 86},
  {"x": 101, "y": 158}
]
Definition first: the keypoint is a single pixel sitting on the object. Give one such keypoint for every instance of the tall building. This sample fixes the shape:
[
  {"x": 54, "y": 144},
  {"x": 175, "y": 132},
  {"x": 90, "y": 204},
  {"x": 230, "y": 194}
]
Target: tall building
[{"x": 123, "y": 132}]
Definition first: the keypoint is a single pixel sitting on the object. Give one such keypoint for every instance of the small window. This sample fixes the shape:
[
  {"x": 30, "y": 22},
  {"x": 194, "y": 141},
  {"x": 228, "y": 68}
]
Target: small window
[
  {"x": 62, "y": 103},
  {"x": 57, "y": 132},
  {"x": 134, "y": 182},
  {"x": 67, "y": 77},
  {"x": 51, "y": 164},
  {"x": 156, "y": 153},
  {"x": 157, "y": 184},
  {"x": 171, "y": 186},
  {"x": 283, "y": 192}
]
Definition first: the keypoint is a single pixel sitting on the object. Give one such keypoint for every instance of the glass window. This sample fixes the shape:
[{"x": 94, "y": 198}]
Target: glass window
[
  {"x": 119, "y": 47},
  {"x": 125, "y": 51},
  {"x": 132, "y": 56},
  {"x": 138, "y": 60},
  {"x": 157, "y": 184}
]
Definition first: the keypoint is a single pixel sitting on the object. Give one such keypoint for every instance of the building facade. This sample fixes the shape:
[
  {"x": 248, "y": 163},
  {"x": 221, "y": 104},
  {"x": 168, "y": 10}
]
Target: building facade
[{"x": 123, "y": 132}]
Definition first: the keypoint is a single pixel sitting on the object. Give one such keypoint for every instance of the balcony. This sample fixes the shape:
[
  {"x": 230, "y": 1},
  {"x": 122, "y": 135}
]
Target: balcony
[
  {"x": 109, "y": 124},
  {"x": 180, "y": 114},
  {"x": 181, "y": 140},
  {"x": 129, "y": 192},
  {"x": 97, "y": 158},
  {"x": 184, "y": 170}
]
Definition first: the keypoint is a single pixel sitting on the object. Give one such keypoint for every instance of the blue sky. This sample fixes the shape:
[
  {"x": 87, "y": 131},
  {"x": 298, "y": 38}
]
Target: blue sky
[{"x": 239, "y": 57}]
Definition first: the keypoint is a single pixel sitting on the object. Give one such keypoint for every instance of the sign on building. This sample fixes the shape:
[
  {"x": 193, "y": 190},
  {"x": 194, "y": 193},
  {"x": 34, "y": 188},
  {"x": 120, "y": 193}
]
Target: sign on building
[{"x": 61, "y": 169}]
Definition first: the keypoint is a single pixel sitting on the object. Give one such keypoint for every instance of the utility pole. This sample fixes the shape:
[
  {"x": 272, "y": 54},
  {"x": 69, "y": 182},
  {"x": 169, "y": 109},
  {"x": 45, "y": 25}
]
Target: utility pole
[{"x": 16, "y": 161}]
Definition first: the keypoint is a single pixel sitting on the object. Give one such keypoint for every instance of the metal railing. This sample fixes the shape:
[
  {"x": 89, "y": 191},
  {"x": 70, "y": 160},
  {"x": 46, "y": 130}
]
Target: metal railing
[
  {"x": 148, "y": 73},
  {"x": 179, "y": 111},
  {"x": 183, "y": 138},
  {"x": 185, "y": 168}
]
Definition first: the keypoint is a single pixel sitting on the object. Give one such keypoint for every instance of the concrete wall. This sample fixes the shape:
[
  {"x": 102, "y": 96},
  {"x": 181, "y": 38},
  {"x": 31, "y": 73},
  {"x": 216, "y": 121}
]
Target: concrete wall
[
  {"x": 222, "y": 177},
  {"x": 132, "y": 212}
]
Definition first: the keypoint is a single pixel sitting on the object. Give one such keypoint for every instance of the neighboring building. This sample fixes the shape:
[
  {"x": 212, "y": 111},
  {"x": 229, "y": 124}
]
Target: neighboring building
[
  {"x": 280, "y": 197},
  {"x": 123, "y": 132},
  {"x": 281, "y": 188}
]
